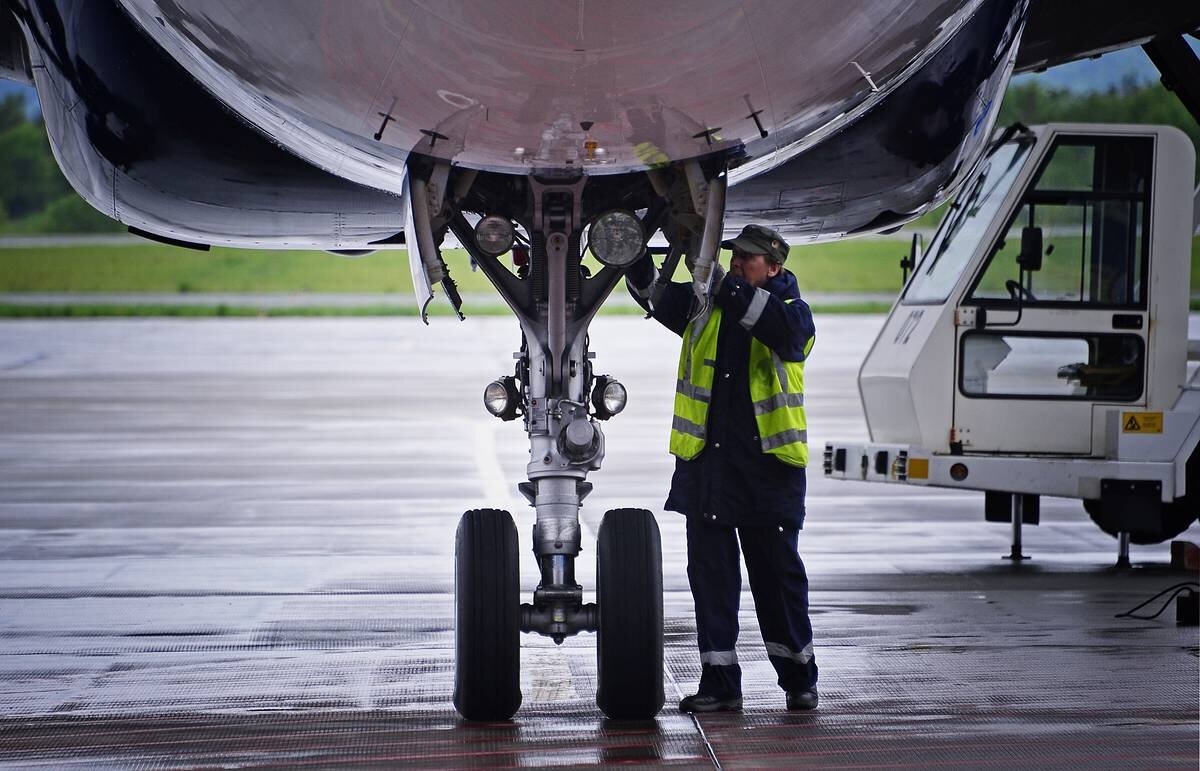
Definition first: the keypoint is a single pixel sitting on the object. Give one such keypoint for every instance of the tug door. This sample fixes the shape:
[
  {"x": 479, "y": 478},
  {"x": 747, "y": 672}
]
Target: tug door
[{"x": 1060, "y": 304}]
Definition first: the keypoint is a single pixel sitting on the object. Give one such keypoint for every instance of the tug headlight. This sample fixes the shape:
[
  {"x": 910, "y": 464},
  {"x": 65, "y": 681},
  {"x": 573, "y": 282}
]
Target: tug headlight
[
  {"x": 608, "y": 397},
  {"x": 616, "y": 238},
  {"x": 494, "y": 235},
  {"x": 501, "y": 398}
]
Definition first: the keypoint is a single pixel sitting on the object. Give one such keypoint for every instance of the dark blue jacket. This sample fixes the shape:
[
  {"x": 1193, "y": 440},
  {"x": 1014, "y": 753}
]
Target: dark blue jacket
[{"x": 732, "y": 481}]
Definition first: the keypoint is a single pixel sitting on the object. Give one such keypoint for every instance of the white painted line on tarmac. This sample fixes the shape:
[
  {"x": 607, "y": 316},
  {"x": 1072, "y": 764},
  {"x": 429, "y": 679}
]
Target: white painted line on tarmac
[{"x": 497, "y": 488}]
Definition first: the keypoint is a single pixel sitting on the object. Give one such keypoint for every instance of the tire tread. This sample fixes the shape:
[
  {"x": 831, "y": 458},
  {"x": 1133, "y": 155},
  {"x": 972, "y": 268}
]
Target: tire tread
[
  {"x": 487, "y": 683},
  {"x": 630, "y": 639}
]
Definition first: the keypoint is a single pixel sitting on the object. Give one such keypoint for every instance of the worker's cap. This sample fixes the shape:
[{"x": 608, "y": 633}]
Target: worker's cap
[{"x": 759, "y": 239}]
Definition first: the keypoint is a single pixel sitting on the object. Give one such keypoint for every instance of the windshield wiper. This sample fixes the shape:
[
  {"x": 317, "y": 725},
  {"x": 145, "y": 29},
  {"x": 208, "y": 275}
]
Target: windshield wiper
[
  {"x": 962, "y": 207},
  {"x": 956, "y": 217}
]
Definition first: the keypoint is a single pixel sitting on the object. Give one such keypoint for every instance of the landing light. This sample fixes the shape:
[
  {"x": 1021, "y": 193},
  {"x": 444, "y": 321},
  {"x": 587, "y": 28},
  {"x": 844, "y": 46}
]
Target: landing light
[
  {"x": 616, "y": 238},
  {"x": 494, "y": 235},
  {"x": 608, "y": 397},
  {"x": 501, "y": 398}
]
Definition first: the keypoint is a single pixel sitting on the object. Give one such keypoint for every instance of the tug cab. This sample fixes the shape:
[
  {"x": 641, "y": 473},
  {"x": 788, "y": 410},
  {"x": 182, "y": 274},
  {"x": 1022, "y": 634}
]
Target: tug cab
[{"x": 1040, "y": 346}]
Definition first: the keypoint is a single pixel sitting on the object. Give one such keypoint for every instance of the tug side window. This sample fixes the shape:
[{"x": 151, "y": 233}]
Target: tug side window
[
  {"x": 1105, "y": 367},
  {"x": 1090, "y": 205}
]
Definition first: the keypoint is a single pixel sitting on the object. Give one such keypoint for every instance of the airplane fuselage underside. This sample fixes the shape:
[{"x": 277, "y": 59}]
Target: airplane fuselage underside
[
  {"x": 291, "y": 125},
  {"x": 518, "y": 87}
]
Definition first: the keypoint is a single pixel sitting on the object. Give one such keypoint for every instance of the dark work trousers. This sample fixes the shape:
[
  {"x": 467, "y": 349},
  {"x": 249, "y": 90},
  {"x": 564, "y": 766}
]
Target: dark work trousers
[{"x": 780, "y": 589}]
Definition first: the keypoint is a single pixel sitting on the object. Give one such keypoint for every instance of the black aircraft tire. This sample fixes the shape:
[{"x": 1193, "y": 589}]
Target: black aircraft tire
[
  {"x": 629, "y": 641},
  {"x": 1177, "y": 516},
  {"x": 487, "y": 630}
]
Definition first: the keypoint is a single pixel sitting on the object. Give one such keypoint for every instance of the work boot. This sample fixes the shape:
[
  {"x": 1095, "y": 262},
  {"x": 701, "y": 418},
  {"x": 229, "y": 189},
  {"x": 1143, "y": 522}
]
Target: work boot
[
  {"x": 802, "y": 700},
  {"x": 701, "y": 702}
]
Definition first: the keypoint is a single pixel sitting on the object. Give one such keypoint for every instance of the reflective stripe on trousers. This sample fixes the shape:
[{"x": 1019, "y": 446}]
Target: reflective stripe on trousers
[
  {"x": 719, "y": 658},
  {"x": 782, "y": 651}
]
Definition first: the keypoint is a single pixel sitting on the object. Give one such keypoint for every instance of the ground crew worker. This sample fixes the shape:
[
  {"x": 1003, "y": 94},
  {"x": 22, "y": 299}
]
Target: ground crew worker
[{"x": 740, "y": 440}]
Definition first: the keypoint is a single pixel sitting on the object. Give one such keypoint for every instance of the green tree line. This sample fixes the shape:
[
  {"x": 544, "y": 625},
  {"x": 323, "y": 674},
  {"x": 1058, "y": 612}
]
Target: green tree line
[
  {"x": 1130, "y": 102},
  {"x": 35, "y": 198},
  {"x": 34, "y": 195}
]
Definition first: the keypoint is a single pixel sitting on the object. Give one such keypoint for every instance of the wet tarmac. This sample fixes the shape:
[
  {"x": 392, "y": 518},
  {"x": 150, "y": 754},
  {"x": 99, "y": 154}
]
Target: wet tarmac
[{"x": 230, "y": 543}]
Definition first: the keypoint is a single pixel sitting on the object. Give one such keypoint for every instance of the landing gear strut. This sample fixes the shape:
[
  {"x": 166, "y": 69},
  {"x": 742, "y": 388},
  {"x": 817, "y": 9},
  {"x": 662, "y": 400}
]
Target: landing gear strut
[{"x": 561, "y": 400}]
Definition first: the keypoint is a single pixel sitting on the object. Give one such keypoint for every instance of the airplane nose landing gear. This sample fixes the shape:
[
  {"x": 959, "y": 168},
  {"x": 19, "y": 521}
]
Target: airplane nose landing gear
[{"x": 561, "y": 402}]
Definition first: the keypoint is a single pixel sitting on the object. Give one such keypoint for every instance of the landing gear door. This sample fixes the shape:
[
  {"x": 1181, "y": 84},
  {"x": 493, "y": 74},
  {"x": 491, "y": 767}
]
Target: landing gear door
[{"x": 1056, "y": 320}]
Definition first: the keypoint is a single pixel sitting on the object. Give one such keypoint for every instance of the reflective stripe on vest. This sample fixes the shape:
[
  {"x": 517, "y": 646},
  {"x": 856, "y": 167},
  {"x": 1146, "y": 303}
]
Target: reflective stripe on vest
[{"x": 776, "y": 390}]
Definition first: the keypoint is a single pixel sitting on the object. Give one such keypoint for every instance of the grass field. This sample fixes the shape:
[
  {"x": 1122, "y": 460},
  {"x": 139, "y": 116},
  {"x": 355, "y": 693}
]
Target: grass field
[
  {"x": 846, "y": 266},
  {"x": 852, "y": 266}
]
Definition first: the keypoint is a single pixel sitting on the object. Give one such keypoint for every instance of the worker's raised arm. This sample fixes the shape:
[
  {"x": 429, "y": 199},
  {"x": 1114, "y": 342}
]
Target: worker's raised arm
[
  {"x": 780, "y": 320},
  {"x": 671, "y": 310}
]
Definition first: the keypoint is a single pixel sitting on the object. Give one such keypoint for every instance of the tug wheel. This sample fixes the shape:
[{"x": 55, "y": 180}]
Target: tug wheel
[
  {"x": 629, "y": 645},
  {"x": 487, "y": 630}
]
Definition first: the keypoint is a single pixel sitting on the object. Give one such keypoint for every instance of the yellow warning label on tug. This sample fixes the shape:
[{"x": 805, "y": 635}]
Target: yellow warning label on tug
[{"x": 1141, "y": 422}]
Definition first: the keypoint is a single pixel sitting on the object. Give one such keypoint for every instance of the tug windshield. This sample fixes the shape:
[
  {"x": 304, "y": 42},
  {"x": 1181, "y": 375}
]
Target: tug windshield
[{"x": 965, "y": 224}]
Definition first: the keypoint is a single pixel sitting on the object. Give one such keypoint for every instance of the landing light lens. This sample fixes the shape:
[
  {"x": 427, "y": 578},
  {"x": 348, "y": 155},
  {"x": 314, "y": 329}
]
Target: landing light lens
[
  {"x": 495, "y": 398},
  {"x": 503, "y": 398},
  {"x": 608, "y": 397},
  {"x": 615, "y": 397},
  {"x": 494, "y": 235},
  {"x": 616, "y": 238}
]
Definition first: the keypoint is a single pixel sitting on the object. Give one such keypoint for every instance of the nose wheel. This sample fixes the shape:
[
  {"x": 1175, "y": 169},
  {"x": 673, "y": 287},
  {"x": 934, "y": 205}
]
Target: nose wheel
[
  {"x": 628, "y": 616},
  {"x": 487, "y": 630},
  {"x": 629, "y": 641}
]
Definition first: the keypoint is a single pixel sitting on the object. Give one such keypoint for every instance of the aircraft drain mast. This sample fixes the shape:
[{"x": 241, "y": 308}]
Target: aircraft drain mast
[{"x": 542, "y": 220}]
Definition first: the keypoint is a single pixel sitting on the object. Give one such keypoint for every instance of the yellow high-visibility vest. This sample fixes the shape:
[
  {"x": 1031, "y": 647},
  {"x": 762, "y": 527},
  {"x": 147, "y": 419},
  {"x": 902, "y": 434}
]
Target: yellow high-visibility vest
[{"x": 776, "y": 390}]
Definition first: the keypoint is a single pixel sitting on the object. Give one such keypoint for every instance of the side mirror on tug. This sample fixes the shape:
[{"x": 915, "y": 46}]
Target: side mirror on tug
[
  {"x": 1030, "y": 256},
  {"x": 913, "y": 259}
]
